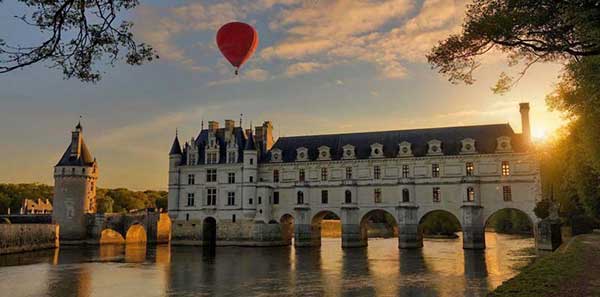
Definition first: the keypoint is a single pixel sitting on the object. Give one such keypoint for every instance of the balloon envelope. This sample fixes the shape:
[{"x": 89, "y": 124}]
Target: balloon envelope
[{"x": 237, "y": 41}]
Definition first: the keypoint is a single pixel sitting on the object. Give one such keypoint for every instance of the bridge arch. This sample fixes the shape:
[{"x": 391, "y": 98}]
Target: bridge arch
[
  {"x": 209, "y": 231},
  {"x": 381, "y": 217},
  {"x": 287, "y": 228},
  {"x": 509, "y": 220},
  {"x": 136, "y": 233},
  {"x": 439, "y": 222},
  {"x": 317, "y": 228},
  {"x": 110, "y": 236},
  {"x": 163, "y": 229}
]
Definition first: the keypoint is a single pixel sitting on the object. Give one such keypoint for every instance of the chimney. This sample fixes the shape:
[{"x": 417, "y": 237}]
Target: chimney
[
  {"x": 264, "y": 136},
  {"x": 213, "y": 126},
  {"x": 525, "y": 127},
  {"x": 229, "y": 125}
]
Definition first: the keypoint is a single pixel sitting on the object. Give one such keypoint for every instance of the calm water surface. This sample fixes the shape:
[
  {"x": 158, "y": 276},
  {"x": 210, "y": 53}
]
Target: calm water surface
[{"x": 441, "y": 268}]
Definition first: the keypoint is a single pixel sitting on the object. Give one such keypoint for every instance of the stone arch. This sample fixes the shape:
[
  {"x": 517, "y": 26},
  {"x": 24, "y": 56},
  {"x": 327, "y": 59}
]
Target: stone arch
[
  {"x": 110, "y": 236},
  {"x": 447, "y": 222},
  {"x": 209, "y": 231},
  {"x": 136, "y": 233},
  {"x": 316, "y": 225},
  {"x": 389, "y": 221},
  {"x": 287, "y": 228},
  {"x": 163, "y": 229},
  {"x": 521, "y": 215}
]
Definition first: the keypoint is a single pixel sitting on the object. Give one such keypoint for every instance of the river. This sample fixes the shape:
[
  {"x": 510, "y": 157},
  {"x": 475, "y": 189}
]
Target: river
[{"x": 441, "y": 268}]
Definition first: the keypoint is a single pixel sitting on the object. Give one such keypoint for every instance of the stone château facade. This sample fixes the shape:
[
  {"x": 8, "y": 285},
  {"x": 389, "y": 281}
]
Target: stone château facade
[{"x": 232, "y": 186}]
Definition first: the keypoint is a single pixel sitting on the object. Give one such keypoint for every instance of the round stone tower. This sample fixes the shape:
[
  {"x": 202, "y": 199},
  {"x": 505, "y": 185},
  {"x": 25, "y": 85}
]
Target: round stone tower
[{"x": 75, "y": 178}]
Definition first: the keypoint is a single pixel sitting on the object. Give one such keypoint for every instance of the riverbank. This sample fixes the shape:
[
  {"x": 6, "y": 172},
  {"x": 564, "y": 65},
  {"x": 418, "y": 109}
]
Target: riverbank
[{"x": 572, "y": 270}]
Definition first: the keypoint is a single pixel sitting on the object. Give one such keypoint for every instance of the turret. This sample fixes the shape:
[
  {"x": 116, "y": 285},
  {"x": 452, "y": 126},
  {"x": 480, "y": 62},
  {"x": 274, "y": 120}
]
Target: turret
[
  {"x": 175, "y": 156},
  {"x": 75, "y": 177}
]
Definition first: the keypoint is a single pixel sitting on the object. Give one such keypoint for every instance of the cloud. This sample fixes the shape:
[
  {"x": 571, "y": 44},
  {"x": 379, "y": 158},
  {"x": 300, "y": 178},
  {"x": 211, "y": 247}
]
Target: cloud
[
  {"x": 303, "y": 68},
  {"x": 257, "y": 74},
  {"x": 380, "y": 33}
]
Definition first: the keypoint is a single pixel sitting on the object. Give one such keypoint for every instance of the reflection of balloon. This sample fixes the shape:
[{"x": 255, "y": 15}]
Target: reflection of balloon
[{"x": 237, "y": 41}]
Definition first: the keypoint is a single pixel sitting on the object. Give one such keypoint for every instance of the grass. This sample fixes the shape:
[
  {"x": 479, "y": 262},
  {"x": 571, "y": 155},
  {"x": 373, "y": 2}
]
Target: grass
[{"x": 551, "y": 275}]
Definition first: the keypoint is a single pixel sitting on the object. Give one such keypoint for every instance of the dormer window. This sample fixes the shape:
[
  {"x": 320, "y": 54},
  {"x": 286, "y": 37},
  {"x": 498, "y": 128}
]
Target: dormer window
[
  {"x": 276, "y": 155},
  {"x": 302, "y": 154},
  {"x": 324, "y": 153},
  {"x": 434, "y": 147},
  {"x": 503, "y": 144},
  {"x": 467, "y": 146},
  {"x": 405, "y": 149},
  {"x": 377, "y": 150},
  {"x": 349, "y": 152}
]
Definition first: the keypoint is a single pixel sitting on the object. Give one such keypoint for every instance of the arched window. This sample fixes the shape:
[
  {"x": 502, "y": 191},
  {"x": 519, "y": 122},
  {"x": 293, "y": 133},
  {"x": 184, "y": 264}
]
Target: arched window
[
  {"x": 275, "y": 176},
  {"x": 300, "y": 197},
  {"x": 348, "y": 197},
  {"x": 405, "y": 195},
  {"x": 470, "y": 194}
]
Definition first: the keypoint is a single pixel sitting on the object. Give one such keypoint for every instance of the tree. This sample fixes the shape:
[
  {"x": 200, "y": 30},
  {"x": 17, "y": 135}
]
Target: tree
[
  {"x": 76, "y": 35},
  {"x": 529, "y": 31},
  {"x": 104, "y": 204}
]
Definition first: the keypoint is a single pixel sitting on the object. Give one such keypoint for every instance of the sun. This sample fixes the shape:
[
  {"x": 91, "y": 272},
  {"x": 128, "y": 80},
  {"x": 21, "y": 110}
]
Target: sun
[{"x": 539, "y": 133}]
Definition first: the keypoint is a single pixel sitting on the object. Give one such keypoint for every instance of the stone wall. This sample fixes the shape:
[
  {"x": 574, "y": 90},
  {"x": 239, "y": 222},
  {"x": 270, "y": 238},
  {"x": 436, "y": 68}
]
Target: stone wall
[
  {"x": 16, "y": 238},
  {"x": 239, "y": 233}
]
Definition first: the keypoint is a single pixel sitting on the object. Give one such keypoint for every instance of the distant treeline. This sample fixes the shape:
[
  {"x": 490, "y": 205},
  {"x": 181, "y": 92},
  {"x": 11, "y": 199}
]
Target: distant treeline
[{"x": 107, "y": 200}]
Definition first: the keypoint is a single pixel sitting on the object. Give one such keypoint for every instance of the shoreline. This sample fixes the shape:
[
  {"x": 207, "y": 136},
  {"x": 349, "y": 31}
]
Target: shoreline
[{"x": 572, "y": 270}]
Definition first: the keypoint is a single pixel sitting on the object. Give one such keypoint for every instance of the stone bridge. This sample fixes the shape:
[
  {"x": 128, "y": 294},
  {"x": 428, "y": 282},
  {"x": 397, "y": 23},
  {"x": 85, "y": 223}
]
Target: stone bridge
[{"x": 142, "y": 226}]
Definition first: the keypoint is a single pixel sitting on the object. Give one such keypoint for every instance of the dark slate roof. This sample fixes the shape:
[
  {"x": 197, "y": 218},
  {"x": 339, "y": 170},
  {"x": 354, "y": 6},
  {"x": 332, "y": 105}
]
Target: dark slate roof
[
  {"x": 176, "y": 147},
  {"x": 485, "y": 141},
  {"x": 84, "y": 159},
  {"x": 240, "y": 138},
  {"x": 250, "y": 145}
]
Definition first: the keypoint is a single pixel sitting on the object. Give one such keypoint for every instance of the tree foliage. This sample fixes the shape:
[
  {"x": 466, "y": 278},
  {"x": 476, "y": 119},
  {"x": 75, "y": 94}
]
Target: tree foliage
[
  {"x": 107, "y": 200},
  {"x": 76, "y": 35},
  {"x": 510, "y": 221},
  {"x": 528, "y": 31}
]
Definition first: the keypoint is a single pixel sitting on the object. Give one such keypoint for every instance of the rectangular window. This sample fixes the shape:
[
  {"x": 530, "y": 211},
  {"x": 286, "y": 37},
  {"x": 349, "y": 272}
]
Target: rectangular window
[
  {"x": 251, "y": 161},
  {"x": 259, "y": 200},
  {"x": 470, "y": 168},
  {"x": 233, "y": 218},
  {"x": 190, "y": 200},
  {"x": 507, "y": 193},
  {"x": 211, "y": 196},
  {"x": 250, "y": 201},
  {"x": 348, "y": 173},
  {"x": 211, "y": 175},
  {"x": 191, "y": 179},
  {"x": 505, "y": 168},
  {"x": 323, "y": 174},
  {"x": 435, "y": 170},
  {"x": 324, "y": 197},
  {"x": 301, "y": 174},
  {"x": 275, "y": 197},
  {"x": 251, "y": 178},
  {"x": 405, "y": 171},
  {"x": 231, "y": 157},
  {"x": 211, "y": 158},
  {"x": 377, "y": 196},
  {"x": 230, "y": 198},
  {"x": 275, "y": 176},
  {"x": 437, "y": 194},
  {"x": 376, "y": 172},
  {"x": 231, "y": 177}
]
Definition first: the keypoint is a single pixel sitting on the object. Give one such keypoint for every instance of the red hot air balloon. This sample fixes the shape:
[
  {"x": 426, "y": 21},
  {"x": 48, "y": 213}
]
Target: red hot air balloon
[{"x": 237, "y": 41}]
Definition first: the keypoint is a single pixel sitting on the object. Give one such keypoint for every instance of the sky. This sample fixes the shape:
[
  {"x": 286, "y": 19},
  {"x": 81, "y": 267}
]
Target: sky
[{"x": 320, "y": 67}]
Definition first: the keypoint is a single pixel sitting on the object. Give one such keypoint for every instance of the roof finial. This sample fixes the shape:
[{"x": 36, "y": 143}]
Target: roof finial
[
  {"x": 241, "y": 116},
  {"x": 202, "y": 125},
  {"x": 176, "y": 132},
  {"x": 78, "y": 127}
]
